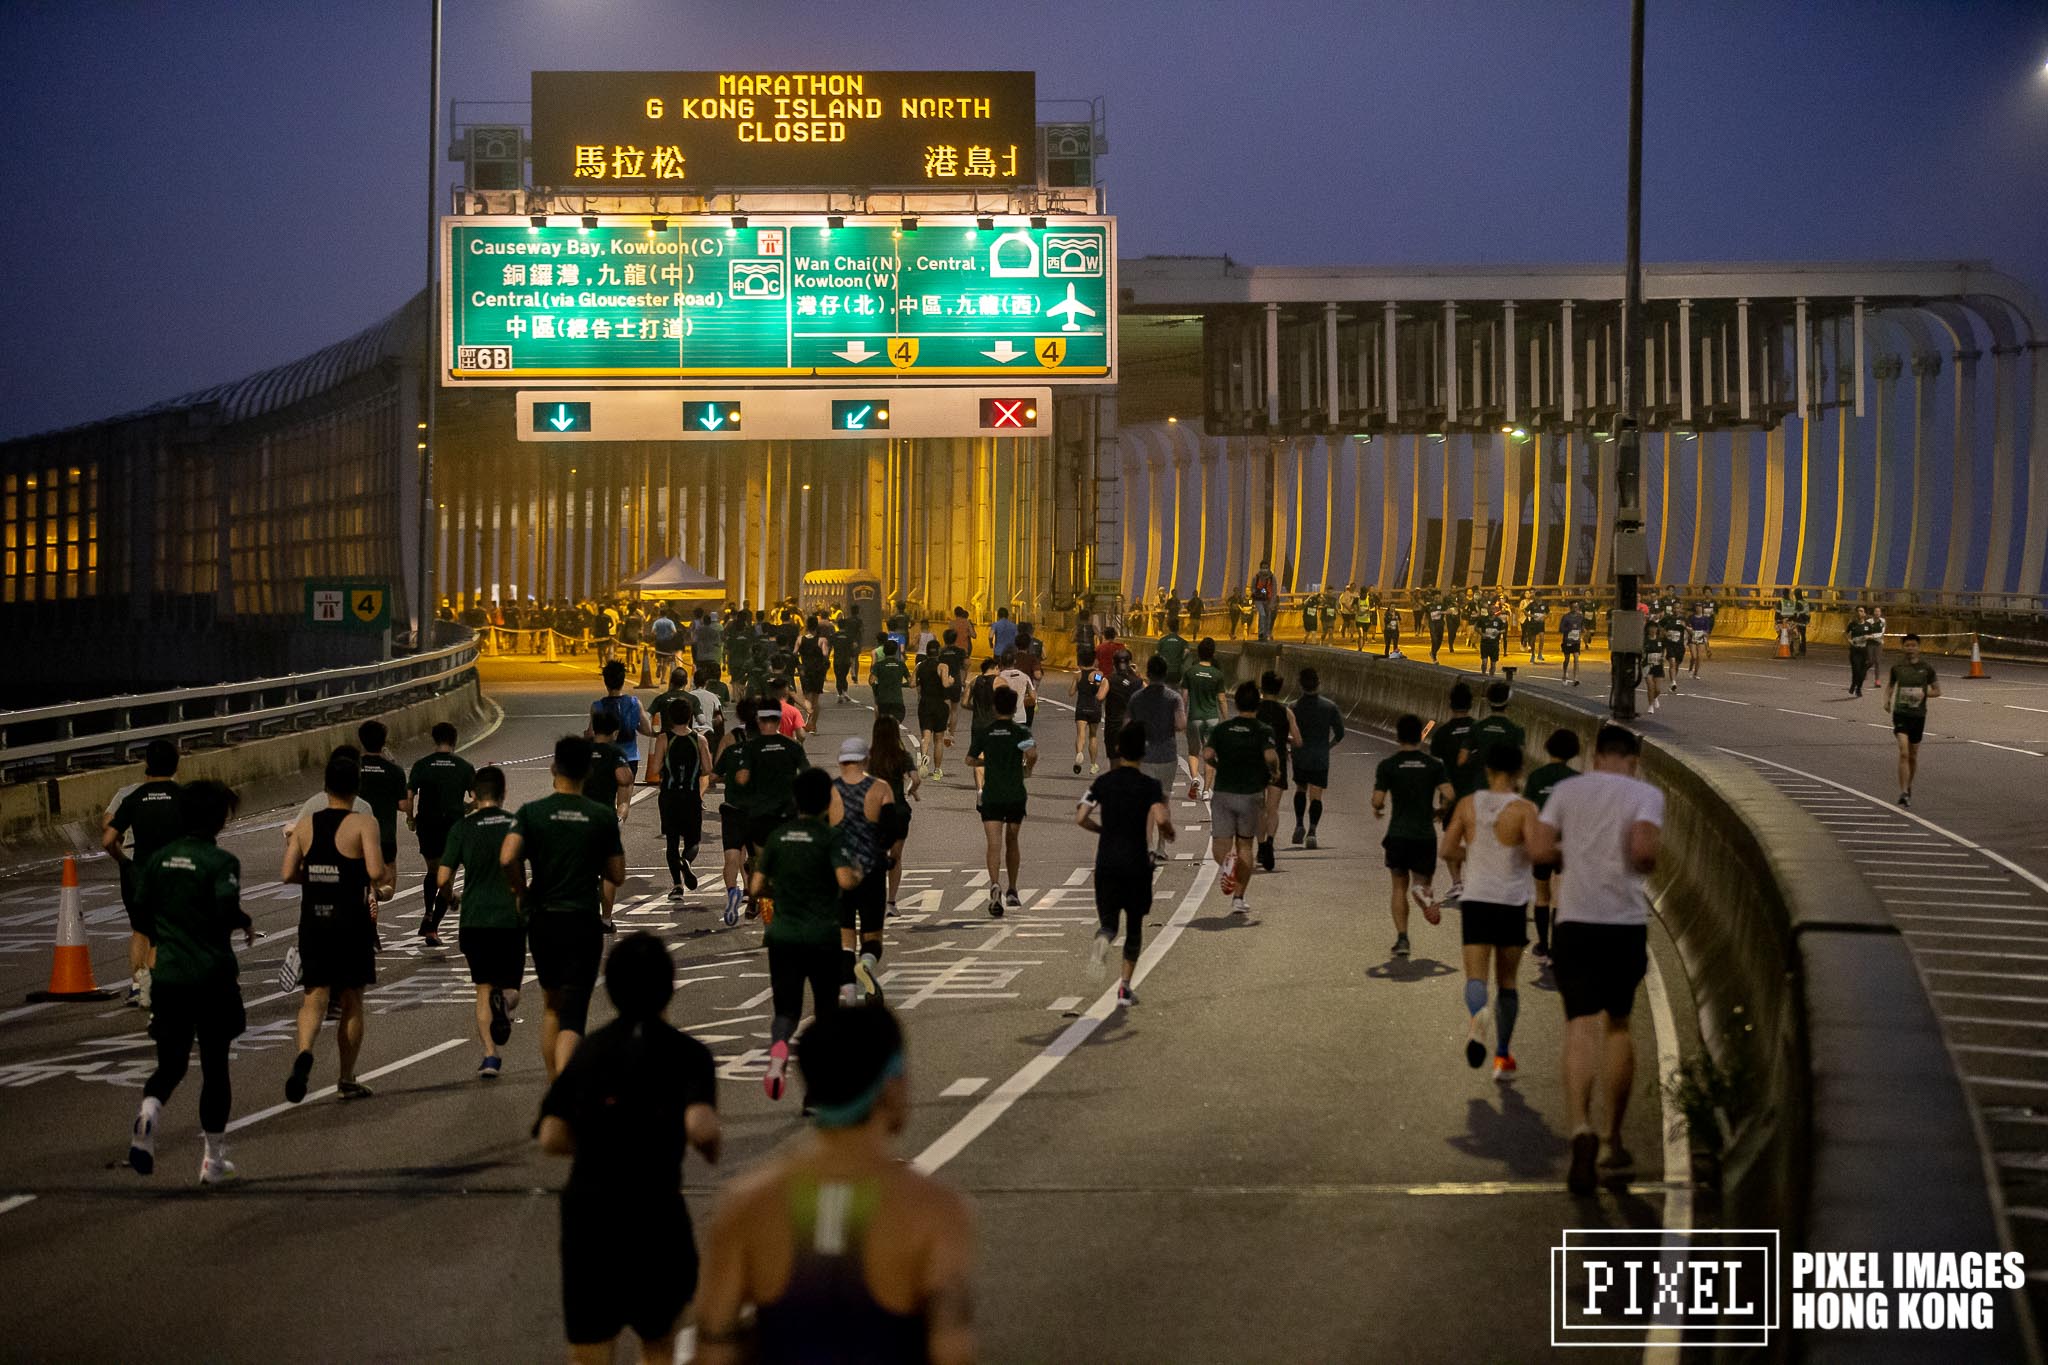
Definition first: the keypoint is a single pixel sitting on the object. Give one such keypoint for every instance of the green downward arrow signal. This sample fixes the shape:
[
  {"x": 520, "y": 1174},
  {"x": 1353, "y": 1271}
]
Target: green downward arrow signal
[
  {"x": 561, "y": 421},
  {"x": 713, "y": 420}
]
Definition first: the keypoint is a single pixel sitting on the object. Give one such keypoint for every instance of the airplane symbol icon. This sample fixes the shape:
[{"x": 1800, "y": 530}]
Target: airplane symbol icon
[{"x": 1070, "y": 309}]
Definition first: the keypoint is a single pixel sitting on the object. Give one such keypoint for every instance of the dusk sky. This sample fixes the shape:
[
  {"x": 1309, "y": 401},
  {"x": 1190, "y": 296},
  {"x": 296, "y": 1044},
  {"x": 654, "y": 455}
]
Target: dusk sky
[{"x": 203, "y": 189}]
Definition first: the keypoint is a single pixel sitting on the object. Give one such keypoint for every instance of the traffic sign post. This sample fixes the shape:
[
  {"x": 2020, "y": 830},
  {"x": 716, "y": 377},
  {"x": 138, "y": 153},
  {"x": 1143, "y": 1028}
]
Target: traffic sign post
[
  {"x": 349, "y": 604},
  {"x": 783, "y": 299}
]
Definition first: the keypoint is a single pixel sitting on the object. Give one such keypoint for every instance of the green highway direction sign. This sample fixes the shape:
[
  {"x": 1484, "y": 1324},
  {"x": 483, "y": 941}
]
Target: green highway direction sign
[
  {"x": 349, "y": 603},
  {"x": 783, "y": 298}
]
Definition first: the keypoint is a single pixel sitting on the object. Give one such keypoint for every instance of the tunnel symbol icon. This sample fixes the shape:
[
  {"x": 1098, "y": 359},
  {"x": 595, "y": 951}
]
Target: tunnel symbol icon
[{"x": 1013, "y": 256}]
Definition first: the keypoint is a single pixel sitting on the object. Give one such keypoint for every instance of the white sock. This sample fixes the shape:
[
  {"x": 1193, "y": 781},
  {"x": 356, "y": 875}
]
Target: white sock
[
  {"x": 152, "y": 1109},
  {"x": 216, "y": 1146}
]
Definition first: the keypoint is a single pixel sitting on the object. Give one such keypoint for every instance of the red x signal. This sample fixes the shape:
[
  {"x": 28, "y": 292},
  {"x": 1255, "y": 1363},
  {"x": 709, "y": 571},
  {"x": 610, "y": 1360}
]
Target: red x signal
[{"x": 1013, "y": 413}]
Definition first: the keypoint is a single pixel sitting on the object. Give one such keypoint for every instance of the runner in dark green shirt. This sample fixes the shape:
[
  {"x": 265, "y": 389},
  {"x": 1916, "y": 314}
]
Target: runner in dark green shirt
[
  {"x": 493, "y": 931},
  {"x": 1204, "y": 683},
  {"x": 1240, "y": 760},
  {"x": 887, "y": 678},
  {"x": 1447, "y": 740},
  {"x": 766, "y": 776},
  {"x": 1322, "y": 727},
  {"x": 564, "y": 859},
  {"x": 1417, "y": 786},
  {"x": 189, "y": 900},
  {"x": 1005, "y": 753},
  {"x": 1495, "y": 728},
  {"x": 1174, "y": 650},
  {"x": 798, "y": 876},
  {"x": 606, "y": 784},
  {"x": 1562, "y": 747}
]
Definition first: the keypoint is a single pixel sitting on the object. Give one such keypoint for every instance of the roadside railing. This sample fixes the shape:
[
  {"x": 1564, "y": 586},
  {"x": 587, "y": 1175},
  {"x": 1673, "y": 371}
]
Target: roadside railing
[{"x": 51, "y": 740}]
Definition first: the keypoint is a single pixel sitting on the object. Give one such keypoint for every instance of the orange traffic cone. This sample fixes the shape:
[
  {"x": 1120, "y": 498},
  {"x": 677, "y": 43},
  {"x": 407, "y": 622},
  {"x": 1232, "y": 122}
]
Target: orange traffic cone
[
  {"x": 1784, "y": 642},
  {"x": 1976, "y": 659},
  {"x": 71, "y": 960}
]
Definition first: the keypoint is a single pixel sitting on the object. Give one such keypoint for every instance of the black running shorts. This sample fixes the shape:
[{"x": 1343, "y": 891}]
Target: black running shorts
[
  {"x": 1311, "y": 774},
  {"x": 1598, "y": 966},
  {"x": 496, "y": 957},
  {"x": 1493, "y": 925},
  {"x": 1410, "y": 855},
  {"x": 568, "y": 948},
  {"x": 1002, "y": 812},
  {"x": 1911, "y": 726},
  {"x": 732, "y": 827},
  {"x": 614, "y": 1279}
]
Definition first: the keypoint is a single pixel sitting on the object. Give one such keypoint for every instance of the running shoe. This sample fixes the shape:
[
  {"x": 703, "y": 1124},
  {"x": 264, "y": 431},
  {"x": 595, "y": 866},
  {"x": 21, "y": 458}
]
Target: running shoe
[
  {"x": 501, "y": 1019},
  {"x": 995, "y": 904},
  {"x": 1905, "y": 798},
  {"x": 892, "y": 912},
  {"x": 134, "y": 993},
  {"x": 1618, "y": 1158},
  {"x": 1475, "y": 1039},
  {"x": 1094, "y": 769},
  {"x": 733, "y": 897},
  {"x": 1585, "y": 1151},
  {"x": 1125, "y": 996},
  {"x": 1300, "y": 837},
  {"x": 675, "y": 893},
  {"x": 1400, "y": 945},
  {"x": 938, "y": 773},
  {"x": 1311, "y": 839},
  {"x": 609, "y": 927},
  {"x": 142, "y": 1142},
  {"x": 489, "y": 1069},
  {"x": 295, "y": 1084},
  {"x": 1159, "y": 858},
  {"x": 1077, "y": 767},
  {"x": 215, "y": 1170},
  {"x": 1455, "y": 895},
  {"x": 1194, "y": 791},
  {"x": 778, "y": 1064},
  {"x": 1541, "y": 952},
  {"x": 352, "y": 1090},
  {"x": 1504, "y": 1067},
  {"x": 431, "y": 940},
  {"x": 1098, "y": 954},
  {"x": 1240, "y": 906},
  {"x": 751, "y": 906},
  {"x": 865, "y": 977}
]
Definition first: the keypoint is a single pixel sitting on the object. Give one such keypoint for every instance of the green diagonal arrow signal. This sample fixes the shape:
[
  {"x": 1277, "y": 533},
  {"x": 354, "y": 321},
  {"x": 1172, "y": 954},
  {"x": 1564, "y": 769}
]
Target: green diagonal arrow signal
[{"x": 858, "y": 421}]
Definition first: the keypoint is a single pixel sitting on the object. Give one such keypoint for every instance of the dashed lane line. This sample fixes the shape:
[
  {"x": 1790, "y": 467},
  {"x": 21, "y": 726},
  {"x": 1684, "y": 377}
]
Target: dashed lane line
[
  {"x": 14, "y": 1201},
  {"x": 984, "y": 1114}
]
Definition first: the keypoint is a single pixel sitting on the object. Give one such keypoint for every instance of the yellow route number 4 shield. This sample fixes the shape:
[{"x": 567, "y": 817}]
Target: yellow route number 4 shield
[
  {"x": 902, "y": 352},
  {"x": 1051, "y": 351},
  {"x": 366, "y": 604}
]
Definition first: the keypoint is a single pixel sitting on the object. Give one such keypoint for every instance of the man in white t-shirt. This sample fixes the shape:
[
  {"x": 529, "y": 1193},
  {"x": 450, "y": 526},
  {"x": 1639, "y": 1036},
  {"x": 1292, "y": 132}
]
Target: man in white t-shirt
[{"x": 1604, "y": 826}]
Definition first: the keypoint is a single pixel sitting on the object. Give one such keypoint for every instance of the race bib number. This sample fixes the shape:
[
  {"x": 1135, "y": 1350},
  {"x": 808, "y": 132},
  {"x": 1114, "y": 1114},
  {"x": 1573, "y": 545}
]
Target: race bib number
[
  {"x": 1571, "y": 637},
  {"x": 1912, "y": 698}
]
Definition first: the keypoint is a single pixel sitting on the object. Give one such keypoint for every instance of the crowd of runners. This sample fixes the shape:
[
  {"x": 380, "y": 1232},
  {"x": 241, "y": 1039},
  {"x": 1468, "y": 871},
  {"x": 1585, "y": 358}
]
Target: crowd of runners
[{"x": 836, "y": 1231}]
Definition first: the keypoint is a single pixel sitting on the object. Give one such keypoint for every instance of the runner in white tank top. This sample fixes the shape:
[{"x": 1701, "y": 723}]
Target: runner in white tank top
[{"x": 1489, "y": 829}]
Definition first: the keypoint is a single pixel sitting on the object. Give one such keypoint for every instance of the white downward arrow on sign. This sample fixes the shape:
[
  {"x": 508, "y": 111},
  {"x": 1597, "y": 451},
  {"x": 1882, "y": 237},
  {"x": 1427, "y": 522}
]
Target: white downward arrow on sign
[
  {"x": 856, "y": 352},
  {"x": 1004, "y": 352}
]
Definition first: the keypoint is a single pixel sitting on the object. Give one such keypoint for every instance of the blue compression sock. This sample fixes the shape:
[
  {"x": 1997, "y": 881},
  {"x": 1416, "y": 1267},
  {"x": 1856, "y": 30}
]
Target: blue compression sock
[
  {"x": 1510, "y": 1005},
  {"x": 1475, "y": 996}
]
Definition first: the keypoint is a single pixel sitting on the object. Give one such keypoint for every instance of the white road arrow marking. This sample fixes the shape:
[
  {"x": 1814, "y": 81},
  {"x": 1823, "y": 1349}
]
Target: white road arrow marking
[
  {"x": 856, "y": 351},
  {"x": 1004, "y": 352}
]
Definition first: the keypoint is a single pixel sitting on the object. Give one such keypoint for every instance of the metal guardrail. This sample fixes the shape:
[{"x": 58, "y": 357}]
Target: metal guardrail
[{"x": 51, "y": 740}]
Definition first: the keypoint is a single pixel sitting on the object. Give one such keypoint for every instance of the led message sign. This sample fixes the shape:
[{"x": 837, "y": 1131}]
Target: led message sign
[{"x": 721, "y": 130}]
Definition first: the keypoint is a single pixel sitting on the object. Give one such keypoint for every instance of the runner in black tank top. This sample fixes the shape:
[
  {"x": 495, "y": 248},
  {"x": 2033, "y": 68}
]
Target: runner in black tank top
[{"x": 337, "y": 922}]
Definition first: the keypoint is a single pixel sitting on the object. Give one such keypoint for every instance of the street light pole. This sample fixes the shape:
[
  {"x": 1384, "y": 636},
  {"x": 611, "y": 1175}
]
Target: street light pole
[
  {"x": 1626, "y": 627},
  {"x": 423, "y": 575}
]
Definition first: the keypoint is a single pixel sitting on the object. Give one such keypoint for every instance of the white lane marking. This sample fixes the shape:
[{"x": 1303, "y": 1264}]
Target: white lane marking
[
  {"x": 19, "y": 1010},
  {"x": 1078, "y": 877},
  {"x": 1938, "y": 878},
  {"x": 1725, "y": 701},
  {"x": 14, "y": 1201},
  {"x": 1998, "y": 1051},
  {"x": 1993, "y": 999},
  {"x": 1920, "y": 820},
  {"x": 1064, "y": 1003},
  {"x": 1980, "y": 952},
  {"x": 994, "y": 1105},
  {"x": 1997, "y": 1023},
  {"x": 1663, "y": 1350},
  {"x": 2037, "y": 710},
  {"x": 1952, "y": 933},
  {"x": 1810, "y": 715},
  {"x": 962, "y": 1088},
  {"x": 1962, "y": 919},
  {"x": 2030, "y": 753},
  {"x": 325, "y": 1091},
  {"x": 2009, "y": 1083}
]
